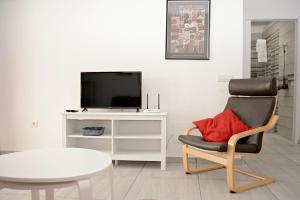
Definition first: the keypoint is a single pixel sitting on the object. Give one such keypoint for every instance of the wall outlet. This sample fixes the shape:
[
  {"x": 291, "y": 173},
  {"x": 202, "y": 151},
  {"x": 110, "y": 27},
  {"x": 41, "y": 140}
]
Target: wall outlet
[{"x": 35, "y": 124}]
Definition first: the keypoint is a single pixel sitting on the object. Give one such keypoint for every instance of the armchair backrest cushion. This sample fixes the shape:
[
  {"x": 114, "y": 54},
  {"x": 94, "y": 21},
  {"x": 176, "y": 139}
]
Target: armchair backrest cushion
[
  {"x": 254, "y": 108},
  {"x": 253, "y": 87}
]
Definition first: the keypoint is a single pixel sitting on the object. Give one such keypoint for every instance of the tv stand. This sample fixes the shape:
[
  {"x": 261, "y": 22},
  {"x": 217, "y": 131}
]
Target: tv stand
[
  {"x": 84, "y": 110},
  {"x": 132, "y": 136}
]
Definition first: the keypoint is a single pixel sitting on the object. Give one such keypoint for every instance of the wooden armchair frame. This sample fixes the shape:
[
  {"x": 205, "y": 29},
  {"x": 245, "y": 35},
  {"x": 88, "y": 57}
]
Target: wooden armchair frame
[{"x": 226, "y": 159}]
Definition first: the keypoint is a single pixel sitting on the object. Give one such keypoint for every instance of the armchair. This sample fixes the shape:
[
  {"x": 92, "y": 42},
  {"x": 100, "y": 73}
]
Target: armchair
[{"x": 254, "y": 101}]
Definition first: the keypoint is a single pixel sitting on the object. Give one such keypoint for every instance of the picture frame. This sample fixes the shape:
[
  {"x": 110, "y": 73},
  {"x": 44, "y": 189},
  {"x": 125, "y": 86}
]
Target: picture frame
[{"x": 188, "y": 29}]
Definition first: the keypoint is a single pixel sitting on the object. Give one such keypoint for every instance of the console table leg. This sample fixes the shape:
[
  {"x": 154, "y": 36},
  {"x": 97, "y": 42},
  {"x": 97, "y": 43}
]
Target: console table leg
[
  {"x": 163, "y": 164},
  {"x": 111, "y": 182},
  {"x": 85, "y": 190},
  {"x": 35, "y": 194},
  {"x": 49, "y": 194},
  {"x": 163, "y": 131}
]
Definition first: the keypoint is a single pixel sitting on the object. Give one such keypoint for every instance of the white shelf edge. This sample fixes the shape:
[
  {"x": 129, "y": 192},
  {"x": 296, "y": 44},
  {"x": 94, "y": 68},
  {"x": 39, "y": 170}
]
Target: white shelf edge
[
  {"x": 104, "y": 136},
  {"x": 109, "y": 152},
  {"x": 155, "y": 136},
  {"x": 145, "y": 137},
  {"x": 137, "y": 138},
  {"x": 138, "y": 156},
  {"x": 116, "y": 113}
]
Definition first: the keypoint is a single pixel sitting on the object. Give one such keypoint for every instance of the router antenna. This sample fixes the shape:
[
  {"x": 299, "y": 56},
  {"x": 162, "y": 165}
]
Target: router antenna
[
  {"x": 147, "y": 102},
  {"x": 158, "y": 101}
]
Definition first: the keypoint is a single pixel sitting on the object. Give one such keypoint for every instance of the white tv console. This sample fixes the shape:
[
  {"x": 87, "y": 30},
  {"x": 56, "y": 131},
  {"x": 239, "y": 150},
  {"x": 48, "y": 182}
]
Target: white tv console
[{"x": 137, "y": 136}]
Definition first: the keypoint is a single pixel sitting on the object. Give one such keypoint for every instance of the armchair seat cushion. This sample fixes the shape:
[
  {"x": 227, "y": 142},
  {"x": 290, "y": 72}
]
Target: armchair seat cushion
[{"x": 199, "y": 142}]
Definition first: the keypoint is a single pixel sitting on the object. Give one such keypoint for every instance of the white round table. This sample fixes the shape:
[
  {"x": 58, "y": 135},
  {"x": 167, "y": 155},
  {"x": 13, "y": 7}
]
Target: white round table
[{"x": 47, "y": 169}]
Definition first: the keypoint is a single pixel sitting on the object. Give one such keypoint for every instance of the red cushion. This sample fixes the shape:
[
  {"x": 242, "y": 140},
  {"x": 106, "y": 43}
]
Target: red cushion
[{"x": 221, "y": 127}]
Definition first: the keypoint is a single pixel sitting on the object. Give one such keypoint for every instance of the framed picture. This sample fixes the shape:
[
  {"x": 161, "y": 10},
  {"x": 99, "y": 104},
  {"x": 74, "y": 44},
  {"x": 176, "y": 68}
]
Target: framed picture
[{"x": 188, "y": 25}]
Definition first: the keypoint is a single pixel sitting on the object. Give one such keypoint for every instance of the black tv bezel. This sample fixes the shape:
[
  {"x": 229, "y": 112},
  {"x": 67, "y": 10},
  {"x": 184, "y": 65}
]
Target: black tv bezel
[{"x": 109, "y": 107}]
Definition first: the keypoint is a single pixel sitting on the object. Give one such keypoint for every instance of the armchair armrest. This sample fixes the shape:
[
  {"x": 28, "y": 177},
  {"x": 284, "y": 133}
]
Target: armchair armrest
[
  {"x": 187, "y": 131},
  {"x": 235, "y": 138}
]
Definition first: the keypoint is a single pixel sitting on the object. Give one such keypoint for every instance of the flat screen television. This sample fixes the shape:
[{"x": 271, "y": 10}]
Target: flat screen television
[{"x": 111, "y": 90}]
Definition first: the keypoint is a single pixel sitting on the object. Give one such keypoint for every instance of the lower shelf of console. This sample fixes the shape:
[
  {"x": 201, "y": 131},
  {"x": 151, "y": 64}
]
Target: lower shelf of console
[
  {"x": 150, "y": 151},
  {"x": 137, "y": 156}
]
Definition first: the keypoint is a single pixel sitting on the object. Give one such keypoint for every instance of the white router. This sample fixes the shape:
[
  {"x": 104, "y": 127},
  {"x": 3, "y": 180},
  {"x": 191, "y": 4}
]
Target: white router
[{"x": 154, "y": 110}]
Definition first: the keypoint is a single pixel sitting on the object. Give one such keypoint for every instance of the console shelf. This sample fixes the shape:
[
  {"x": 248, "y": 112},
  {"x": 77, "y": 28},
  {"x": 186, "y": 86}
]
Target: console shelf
[
  {"x": 135, "y": 136},
  {"x": 139, "y": 136},
  {"x": 79, "y": 135},
  {"x": 136, "y": 156}
]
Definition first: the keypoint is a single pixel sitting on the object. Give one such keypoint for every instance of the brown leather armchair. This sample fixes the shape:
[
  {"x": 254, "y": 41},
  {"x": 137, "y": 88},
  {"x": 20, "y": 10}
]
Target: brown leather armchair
[{"x": 254, "y": 101}]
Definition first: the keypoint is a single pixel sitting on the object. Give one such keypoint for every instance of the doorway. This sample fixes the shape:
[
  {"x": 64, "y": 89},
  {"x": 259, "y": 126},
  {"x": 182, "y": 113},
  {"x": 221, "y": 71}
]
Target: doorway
[{"x": 273, "y": 55}]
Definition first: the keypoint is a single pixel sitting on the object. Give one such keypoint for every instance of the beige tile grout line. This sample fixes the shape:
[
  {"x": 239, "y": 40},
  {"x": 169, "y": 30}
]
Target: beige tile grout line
[
  {"x": 267, "y": 186},
  {"x": 131, "y": 185},
  {"x": 198, "y": 179}
]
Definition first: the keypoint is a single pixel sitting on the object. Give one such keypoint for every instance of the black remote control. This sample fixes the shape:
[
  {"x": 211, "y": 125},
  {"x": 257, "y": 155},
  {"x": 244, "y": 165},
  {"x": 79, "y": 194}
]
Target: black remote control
[{"x": 71, "y": 110}]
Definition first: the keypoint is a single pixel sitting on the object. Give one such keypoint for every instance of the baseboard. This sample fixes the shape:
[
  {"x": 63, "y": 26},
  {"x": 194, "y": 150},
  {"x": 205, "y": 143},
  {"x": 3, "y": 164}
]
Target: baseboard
[
  {"x": 238, "y": 160},
  {"x": 174, "y": 159},
  {"x": 6, "y": 152}
]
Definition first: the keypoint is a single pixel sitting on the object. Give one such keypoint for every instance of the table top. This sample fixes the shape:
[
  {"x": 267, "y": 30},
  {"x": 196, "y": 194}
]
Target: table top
[{"x": 52, "y": 165}]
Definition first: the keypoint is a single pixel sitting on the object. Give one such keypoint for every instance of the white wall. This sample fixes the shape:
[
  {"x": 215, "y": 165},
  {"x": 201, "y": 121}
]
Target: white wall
[
  {"x": 3, "y": 94},
  {"x": 2, "y": 118},
  {"x": 49, "y": 42},
  {"x": 278, "y": 10},
  {"x": 3, "y": 135},
  {"x": 259, "y": 27}
]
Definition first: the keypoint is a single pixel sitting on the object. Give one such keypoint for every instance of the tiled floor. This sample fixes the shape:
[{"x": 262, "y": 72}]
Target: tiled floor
[{"x": 145, "y": 181}]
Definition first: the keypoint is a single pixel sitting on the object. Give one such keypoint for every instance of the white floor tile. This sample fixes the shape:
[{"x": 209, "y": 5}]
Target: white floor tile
[
  {"x": 217, "y": 189},
  {"x": 279, "y": 158},
  {"x": 148, "y": 188},
  {"x": 286, "y": 190}
]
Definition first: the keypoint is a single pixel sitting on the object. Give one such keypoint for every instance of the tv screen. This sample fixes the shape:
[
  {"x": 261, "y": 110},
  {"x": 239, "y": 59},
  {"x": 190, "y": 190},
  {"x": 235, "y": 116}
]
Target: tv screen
[{"x": 111, "y": 89}]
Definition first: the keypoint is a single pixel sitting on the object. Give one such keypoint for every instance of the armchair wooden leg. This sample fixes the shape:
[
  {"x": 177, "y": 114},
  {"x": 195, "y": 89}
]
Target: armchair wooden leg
[
  {"x": 255, "y": 184},
  {"x": 229, "y": 169},
  {"x": 186, "y": 165},
  {"x": 230, "y": 172},
  {"x": 206, "y": 169},
  {"x": 231, "y": 179},
  {"x": 185, "y": 159}
]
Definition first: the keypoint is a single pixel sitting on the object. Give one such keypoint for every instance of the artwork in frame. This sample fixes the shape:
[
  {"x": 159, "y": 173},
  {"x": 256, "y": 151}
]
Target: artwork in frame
[{"x": 188, "y": 29}]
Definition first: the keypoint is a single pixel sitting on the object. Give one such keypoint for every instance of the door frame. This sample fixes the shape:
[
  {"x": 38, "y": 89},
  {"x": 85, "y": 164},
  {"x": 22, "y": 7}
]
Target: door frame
[{"x": 247, "y": 68}]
